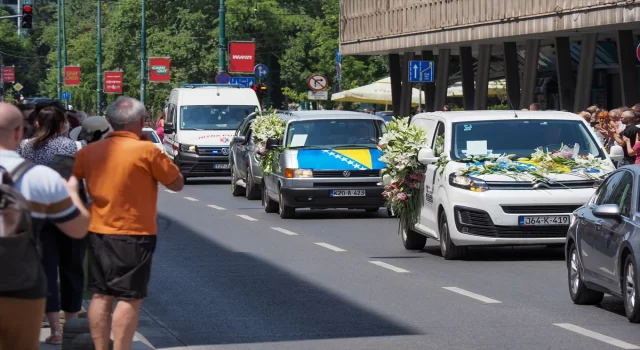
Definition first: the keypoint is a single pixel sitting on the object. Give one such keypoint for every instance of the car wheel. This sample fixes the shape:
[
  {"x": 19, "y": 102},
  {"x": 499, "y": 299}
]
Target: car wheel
[
  {"x": 579, "y": 293},
  {"x": 286, "y": 212},
  {"x": 252, "y": 191},
  {"x": 236, "y": 190},
  {"x": 630, "y": 290},
  {"x": 412, "y": 240},
  {"x": 270, "y": 206},
  {"x": 448, "y": 249}
]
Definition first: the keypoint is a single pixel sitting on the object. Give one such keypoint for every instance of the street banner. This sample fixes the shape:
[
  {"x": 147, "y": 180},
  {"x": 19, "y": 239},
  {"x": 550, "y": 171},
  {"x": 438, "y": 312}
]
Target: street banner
[
  {"x": 113, "y": 82},
  {"x": 159, "y": 70},
  {"x": 242, "y": 56},
  {"x": 9, "y": 75},
  {"x": 71, "y": 76}
]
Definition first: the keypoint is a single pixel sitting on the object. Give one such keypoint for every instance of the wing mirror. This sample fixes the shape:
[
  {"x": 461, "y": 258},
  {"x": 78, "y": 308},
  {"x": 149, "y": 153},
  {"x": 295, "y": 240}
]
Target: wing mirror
[
  {"x": 607, "y": 211},
  {"x": 426, "y": 156},
  {"x": 241, "y": 140},
  {"x": 273, "y": 144},
  {"x": 616, "y": 153},
  {"x": 169, "y": 128}
]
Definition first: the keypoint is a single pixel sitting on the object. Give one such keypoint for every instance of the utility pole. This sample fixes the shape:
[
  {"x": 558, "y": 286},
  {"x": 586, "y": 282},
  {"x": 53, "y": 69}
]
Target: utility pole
[
  {"x": 59, "y": 55},
  {"x": 64, "y": 33},
  {"x": 221, "y": 38},
  {"x": 143, "y": 57},
  {"x": 20, "y": 19},
  {"x": 99, "y": 60}
]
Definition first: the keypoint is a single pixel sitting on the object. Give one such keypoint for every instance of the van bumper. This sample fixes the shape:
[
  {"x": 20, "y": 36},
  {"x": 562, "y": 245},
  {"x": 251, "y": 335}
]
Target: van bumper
[
  {"x": 320, "y": 198},
  {"x": 194, "y": 165}
]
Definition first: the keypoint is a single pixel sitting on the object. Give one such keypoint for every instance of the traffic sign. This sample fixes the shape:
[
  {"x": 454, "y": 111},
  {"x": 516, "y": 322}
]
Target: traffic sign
[
  {"x": 9, "y": 74},
  {"x": 261, "y": 70},
  {"x": 318, "y": 95},
  {"x": 113, "y": 82},
  {"x": 18, "y": 87},
  {"x": 223, "y": 78},
  {"x": 421, "y": 71},
  {"x": 338, "y": 57},
  {"x": 317, "y": 82},
  {"x": 66, "y": 95},
  {"x": 244, "y": 82}
]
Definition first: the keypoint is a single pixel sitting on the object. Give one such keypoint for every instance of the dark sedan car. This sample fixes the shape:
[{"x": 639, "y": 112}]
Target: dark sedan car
[{"x": 601, "y": 243}]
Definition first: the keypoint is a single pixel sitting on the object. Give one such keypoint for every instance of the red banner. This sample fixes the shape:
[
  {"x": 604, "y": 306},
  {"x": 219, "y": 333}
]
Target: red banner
[
  {"x": 159, "y": 70},
  {"x": 9, "y": 75},
  {"x": 242, "y": 57},
  {"x": 113, "y": 82},
  {"x": 71, "y": 76}
]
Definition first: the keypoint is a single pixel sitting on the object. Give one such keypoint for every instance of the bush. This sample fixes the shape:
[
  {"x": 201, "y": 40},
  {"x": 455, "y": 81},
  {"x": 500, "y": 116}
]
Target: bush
[{"x": 498, "y": 107}]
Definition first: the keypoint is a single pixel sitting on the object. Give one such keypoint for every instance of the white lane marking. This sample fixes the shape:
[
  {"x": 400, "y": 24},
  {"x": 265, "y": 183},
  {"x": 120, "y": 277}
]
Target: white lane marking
[
  {"x": 169, "y": 191},
  {"x": 286, "y": 232},
  {"x": 331, "y": 247},
  {"x": 472, "y": 295},
  {"x": 388, "y": 266},
  {"x": 247, "y": 217},
  {"x": 191, "y": 199},
  {"x": 597, "y": 336},
  {"x": 216, "y": 207}
]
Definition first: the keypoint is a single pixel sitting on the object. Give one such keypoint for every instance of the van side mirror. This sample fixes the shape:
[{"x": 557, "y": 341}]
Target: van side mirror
[
  {"x": 169, "y": 128},
  {"x": 616, "y": 153},
  {"x": 426, "y": 156},
  {"x": 273, "y": 144}
]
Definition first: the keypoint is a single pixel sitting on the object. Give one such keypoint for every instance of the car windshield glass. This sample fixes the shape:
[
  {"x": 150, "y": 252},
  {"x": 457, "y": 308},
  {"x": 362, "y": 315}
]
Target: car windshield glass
[
  {"x": 152, "y": 136},
  {"x": 386, "y": 116},
  {"x": 334, "y": 133},
  {"x": 493, "y": 138},
  {"x": 213, "y": 117}
]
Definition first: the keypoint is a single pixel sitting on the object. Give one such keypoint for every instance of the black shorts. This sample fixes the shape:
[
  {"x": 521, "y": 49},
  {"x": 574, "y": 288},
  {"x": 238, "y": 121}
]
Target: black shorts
[{"x": 120, "y": 265}]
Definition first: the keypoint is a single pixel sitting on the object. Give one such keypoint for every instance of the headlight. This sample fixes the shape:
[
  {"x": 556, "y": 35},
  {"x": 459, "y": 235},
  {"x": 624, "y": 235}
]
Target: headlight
[
  {"x": 573, "y": 219},
  {"x": 468, "y": 183},
  {"x": 188, "y": 148},
  {"x": 302, "y": 173}
]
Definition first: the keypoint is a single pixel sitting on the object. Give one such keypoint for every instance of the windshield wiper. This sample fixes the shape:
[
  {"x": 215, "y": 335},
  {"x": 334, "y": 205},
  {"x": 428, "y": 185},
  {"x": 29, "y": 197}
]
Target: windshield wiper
[
  {"x": 308, "y": 147},
  {"x": 364, "y": 145}
]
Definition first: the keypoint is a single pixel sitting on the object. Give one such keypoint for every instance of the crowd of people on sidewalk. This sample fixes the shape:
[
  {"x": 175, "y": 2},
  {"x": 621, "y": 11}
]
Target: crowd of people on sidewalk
[{"x": 88, "y": 186}]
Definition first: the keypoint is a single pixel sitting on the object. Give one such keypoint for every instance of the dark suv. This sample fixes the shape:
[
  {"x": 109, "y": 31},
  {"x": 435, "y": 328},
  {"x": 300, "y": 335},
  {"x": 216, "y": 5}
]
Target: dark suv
[{"x": 246, "y": 175}]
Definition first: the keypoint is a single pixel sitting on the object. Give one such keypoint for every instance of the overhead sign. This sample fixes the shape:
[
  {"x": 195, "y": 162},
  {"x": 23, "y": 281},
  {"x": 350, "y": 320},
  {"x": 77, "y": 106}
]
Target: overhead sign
[
  {"x": 159, "y": 70},
  {"x": 244, "y": 82},
  {"x": 113, "y": 83},
  {"x": 261, "y": 70},
  {"x": 318, "y": 95},
  {"x": 71, "y": 76},
  {"x": 420, "y": 71},
  {"x": 18, "y": 87},
  {"x": 9, "y": 75},
  {"x": 242, "y": 56},
  {"x": 66, "y": 95},
  {"x": 317, "y": 82},
  {"x": 223, "y": 78}
]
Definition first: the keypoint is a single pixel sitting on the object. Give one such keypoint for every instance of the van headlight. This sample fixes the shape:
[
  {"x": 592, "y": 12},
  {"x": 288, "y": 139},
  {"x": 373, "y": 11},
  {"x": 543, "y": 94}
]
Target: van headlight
[
  {"x": 188, "y": 148},
  {"x": 468, "y": 183},
  {"x": 302, "y": 173}
]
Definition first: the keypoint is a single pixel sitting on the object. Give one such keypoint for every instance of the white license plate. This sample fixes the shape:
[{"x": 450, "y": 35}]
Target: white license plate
[
  {"x": 544, "y": 220},
  {"x": 221, "y": 166},
  {"x": 348, "y": 193}
]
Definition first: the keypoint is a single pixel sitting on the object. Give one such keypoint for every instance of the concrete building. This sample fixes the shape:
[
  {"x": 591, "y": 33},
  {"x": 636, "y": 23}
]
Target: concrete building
[{"x": 564, "y": 54}]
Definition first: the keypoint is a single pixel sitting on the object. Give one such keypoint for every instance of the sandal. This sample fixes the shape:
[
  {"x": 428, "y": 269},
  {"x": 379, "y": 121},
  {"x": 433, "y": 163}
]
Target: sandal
[{"x": 54, "y": 339}]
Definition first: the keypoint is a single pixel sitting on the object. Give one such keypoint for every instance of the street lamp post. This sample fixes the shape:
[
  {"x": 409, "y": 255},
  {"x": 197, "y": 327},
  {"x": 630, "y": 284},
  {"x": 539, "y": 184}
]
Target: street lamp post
[
  {"x": 99, "y": 60},
  {"x": 59, "y": 87},
  {"x": 143, "y": 57},
  {"x": 64, "y": 33},
  {"x": 221, "y": 38}
]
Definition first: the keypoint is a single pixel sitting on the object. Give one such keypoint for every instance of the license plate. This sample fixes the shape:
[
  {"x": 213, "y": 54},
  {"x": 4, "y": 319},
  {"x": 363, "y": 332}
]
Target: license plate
[
  {"x": 348, "y": 193},
  {"x": 546, "y": 220},
  {"x": 221, "y": 166}
]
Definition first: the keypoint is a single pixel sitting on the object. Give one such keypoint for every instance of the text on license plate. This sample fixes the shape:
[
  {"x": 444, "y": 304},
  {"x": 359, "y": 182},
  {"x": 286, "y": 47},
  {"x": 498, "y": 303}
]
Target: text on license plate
[
  {"x": 545, "y": 220},
  {"x": 221, "y": 166},
  {"x": 348, "y": 193}
]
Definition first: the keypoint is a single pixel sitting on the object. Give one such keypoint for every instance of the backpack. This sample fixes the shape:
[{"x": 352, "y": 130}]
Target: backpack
[{"x": 19, "y": 252}]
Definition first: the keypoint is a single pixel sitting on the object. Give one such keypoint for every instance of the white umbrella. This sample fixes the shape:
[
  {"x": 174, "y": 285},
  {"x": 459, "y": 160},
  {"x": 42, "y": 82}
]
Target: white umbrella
[{"x": 378, "y": 93}]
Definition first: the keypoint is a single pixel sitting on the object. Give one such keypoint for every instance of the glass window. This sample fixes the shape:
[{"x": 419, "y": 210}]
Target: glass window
[
  {"x": 152, "y": 136},
  {"x": 335, "y": 132},
  {"x": 213, "y": 117},
  {"x": 520, "y": 137},
  {"x": 618, "y": 190}
]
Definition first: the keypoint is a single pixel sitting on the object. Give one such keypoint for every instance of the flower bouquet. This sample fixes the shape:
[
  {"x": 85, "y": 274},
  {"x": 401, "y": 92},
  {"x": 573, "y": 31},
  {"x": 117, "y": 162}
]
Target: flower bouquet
[{"x": 267, "y": 126}]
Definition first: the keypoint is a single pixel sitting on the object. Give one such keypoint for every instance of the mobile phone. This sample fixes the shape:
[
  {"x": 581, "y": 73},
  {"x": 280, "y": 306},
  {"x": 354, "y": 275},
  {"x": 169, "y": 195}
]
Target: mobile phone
[{"x": 63, "y": 164}]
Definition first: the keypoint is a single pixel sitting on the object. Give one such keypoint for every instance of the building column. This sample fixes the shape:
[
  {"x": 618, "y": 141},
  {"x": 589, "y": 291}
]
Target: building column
[
  {"x": 407, "y": 88},
  {"x": 585, "y": 72},
  {"x": 512, "y": 74},
  {"x": 429, "y": 88},
  {"x": 564, "y": 70},
  {"x": 482, "y": 77},
  {"x": 530, "y": 73},
  {"x": 628, "y": 70},
  {"x": 395, "y": 71},
  {"x": 442, "y": 79},
  {"x": 466, "y": 63}
]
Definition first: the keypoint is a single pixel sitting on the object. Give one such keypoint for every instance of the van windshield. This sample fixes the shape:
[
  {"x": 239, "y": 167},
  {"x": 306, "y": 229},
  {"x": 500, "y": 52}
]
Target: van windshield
[
  {"x": 213, "y": 117},
  {"x": 493, "y": 138},
  {"x": 335, "y": 133}
]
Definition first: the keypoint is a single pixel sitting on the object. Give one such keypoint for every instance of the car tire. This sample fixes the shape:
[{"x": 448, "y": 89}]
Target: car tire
[
  {"x": 252, "y": 191},
  {"x": 630, "y": 290},
  {"x": 236, "y": 190},
  {"x": 448, "y": 249},
  {"x": 578, "y": 291},
  {"x": 285, "y": 212},
  {"x": 372, "y": 210},
  {"x": 412, "y": 240},
  {"x": 270, "y": 206}
]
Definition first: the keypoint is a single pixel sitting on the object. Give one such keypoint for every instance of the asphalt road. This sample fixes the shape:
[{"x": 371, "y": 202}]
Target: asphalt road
[{"x": 228, "y": 275}]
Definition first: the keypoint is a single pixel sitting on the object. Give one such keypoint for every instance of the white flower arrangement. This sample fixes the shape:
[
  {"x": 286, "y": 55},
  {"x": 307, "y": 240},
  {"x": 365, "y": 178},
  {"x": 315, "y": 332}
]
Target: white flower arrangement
[{"x": 265, "y": 127}]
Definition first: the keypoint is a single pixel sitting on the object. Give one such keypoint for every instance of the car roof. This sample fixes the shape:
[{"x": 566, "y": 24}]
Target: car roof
[
  {"x": 326, "y": 115},
  {"x": 466, "y": 116}
]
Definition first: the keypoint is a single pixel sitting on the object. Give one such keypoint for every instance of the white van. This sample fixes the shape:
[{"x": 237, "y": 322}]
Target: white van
[{"x": 201, "y": 121}]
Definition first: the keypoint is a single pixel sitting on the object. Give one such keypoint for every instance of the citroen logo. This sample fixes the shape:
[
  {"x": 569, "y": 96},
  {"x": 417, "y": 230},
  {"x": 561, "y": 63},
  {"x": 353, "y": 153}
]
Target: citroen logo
[
  {"x": 225, "y": 151},
  {"x": 346, "y": 173}
]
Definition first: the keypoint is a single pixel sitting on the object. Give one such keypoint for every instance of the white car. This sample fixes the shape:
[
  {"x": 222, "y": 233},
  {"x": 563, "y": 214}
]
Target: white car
[
  {"x": 153, "y": 137},
  {"x": 497, "y": 209}
]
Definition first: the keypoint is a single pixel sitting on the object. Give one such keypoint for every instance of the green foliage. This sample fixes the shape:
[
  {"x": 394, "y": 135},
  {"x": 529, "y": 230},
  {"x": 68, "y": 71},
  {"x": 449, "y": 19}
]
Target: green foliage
[{"x": 498, "y": 107}]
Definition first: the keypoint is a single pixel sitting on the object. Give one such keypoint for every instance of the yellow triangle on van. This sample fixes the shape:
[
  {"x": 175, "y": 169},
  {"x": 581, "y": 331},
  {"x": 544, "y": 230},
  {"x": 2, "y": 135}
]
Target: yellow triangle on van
[{"x": 362, "y": 156}]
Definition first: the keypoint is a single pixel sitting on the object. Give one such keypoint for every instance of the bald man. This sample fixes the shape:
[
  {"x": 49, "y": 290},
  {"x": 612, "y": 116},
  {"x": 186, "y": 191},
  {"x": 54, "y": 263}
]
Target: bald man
[{"x": 50, "y": 198}]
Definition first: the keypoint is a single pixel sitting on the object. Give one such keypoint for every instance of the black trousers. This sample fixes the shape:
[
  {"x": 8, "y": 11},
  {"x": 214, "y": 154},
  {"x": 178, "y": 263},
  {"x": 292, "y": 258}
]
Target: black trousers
[{"x": 64, "y": 255}]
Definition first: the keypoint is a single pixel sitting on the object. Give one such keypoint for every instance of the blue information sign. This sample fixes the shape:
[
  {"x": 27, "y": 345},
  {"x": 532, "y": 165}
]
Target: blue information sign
[
  {"x": 244, "y": 82},
  {"x": 223, "y": 78},
  {"x": 66, "y": 95},
  {"x": 421, "y": 71},
  {"x": 261, "y": 71}
]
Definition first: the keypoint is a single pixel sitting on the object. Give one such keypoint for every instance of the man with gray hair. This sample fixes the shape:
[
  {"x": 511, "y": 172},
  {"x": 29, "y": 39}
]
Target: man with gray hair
[{"x": 122, "y": 173}]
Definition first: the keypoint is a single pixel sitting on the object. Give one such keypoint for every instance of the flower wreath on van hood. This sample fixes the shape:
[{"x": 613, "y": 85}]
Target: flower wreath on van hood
[
  {"x": 403, "y": 173},
  {"x": 267, "y": 126}
]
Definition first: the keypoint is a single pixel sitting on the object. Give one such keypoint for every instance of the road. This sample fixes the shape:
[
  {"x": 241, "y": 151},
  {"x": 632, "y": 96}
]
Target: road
[{"x": 228, "y": 275}]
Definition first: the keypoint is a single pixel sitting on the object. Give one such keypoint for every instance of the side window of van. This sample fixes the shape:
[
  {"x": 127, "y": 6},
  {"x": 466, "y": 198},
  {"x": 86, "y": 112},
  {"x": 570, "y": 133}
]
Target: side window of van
[
  {"x": 173, "y": 111},
  {"x": 438, "y": 140}
]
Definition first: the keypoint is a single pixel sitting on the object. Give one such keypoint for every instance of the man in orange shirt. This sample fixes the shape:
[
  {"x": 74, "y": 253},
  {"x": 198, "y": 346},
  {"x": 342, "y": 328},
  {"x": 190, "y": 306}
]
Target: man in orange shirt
[{"x": 122, "y": 174}]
